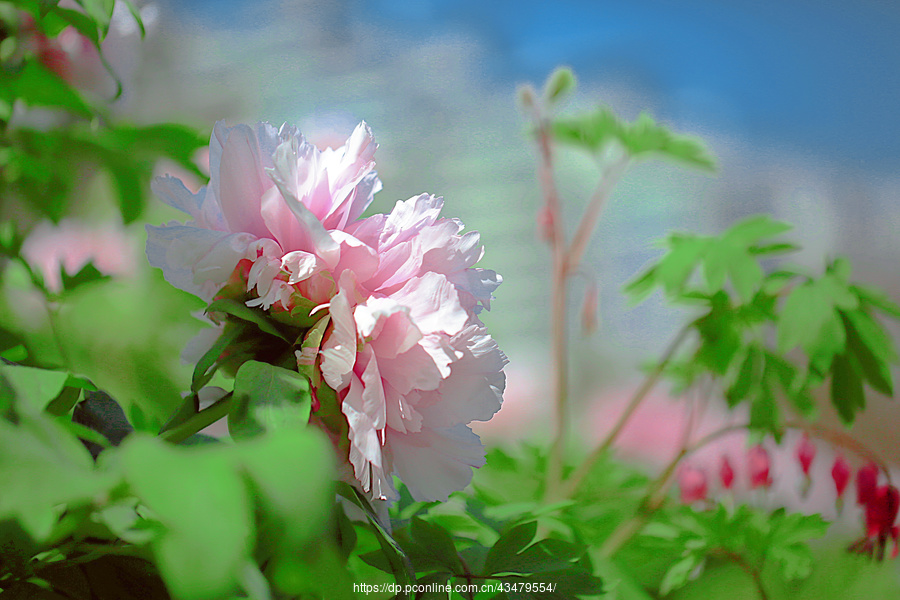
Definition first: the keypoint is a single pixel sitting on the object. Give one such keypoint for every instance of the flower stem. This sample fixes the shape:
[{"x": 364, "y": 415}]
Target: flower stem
[
  {"x": 199, "y": 421},
  {"x": 650, "y": 381}
]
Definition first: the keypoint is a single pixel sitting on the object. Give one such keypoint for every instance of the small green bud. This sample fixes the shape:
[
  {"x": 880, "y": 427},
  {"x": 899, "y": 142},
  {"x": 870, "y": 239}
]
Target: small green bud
[
  {"x": 525, "y": 94},
  {"x": 560, "y": 84}
]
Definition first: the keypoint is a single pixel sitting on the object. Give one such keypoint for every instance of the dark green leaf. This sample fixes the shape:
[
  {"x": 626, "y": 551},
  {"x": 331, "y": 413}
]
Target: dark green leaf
[
  {"x": 208, "y": 363},
  {"x": 871, "y": 348},
  {"x": 243, "y": 312},
  {"x": 847, "y": 393},
  {"x": 512, "y": 542},
  {"x": 437, "y": 542}
]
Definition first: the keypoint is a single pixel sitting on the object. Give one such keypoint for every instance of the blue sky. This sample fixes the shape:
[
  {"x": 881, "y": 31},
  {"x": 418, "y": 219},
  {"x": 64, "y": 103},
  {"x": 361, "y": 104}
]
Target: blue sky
[{"x": 819, "y": 77}]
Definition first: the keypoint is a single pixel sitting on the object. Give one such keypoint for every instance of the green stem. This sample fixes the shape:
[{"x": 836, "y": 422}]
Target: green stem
[
  {"x": 577, "y": 478},
  {"x": 200, "y": 421}
]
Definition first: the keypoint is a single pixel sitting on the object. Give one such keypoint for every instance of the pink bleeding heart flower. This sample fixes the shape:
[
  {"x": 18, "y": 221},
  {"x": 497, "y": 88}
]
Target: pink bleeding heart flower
[
  {"x": 692, "y": 482},
  {"x": 866, "y": 482},
  {"x": 758, "y": 465},
  {"x": 806, "y": 453},
  {"x": 726, "y": 473},
  {"x": 397, "y": 295},
  {"x": 840, "y": 473}
]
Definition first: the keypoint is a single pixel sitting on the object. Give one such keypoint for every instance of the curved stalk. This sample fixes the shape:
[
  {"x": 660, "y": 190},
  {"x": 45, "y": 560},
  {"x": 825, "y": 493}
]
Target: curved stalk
[{"x": 650, "y": 381}]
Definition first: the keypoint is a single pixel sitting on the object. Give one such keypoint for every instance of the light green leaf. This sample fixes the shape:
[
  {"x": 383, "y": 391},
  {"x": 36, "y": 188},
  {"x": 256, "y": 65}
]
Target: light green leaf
[
  {"x": 35, "y": 388},
  {"x": 678, "y": 574},
  {"x": 203, "y": 505},
  {"x": 44, "y": 467},
  {"x": 267, "y": 397}
]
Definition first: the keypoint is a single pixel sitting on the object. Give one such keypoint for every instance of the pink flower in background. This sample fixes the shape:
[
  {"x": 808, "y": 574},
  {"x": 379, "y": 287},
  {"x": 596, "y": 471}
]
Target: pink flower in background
[
  {"x": 71, "y": 245},
  {"x": 758, "y": 465},
  {"x": 404, "y": 348},
  {"x": 692, "y": 482}
]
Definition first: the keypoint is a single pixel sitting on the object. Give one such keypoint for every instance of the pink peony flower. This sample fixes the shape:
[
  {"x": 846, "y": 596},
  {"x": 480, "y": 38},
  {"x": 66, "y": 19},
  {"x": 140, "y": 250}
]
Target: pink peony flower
[
  {"x": 71, "y": 245},
  {"x": 404, "y": 349}
]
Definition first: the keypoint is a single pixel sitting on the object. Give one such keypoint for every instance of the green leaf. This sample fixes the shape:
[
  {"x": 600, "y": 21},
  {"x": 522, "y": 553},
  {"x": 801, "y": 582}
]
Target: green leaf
[
  {"x": 243, "y": 312},
  {"x": 847, "y": 393},
  {"x": 747, "y": 377},
  {"x": 677, "y": 575},
  {"x": 685, "y": 253},
  {"x": 87, "y": 274},
  {"x": 43, "y": 467},
  {"x": 207, "y": 520},
  {"x": 752, "y": 230},
  {"x": 746, "y": 276},
  {"x": 100, "y": 11},
  {"x": 36, "y": 85},
  {"x": 267, "y": 397},
  {"x": 641, "y": 286},
  {"x": 802, "y": 317},
  {"x": 876, "y": 299},
  {"x": 292, "y": 471},
  {"x": 437, "y": 542},
  {"x": 871, "y": 348},
  {"x": 35, "y": 388},
  {"x": 208, "y": 363},
  {"x": 512, "y": 542}
]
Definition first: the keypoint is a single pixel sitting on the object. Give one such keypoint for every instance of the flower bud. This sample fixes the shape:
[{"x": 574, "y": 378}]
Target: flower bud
[
  {"x": 726, "y": 473},
  {"x": 866, "y": 482},
  {"x": 840, "y": 473},
  {"x": 692, "y": 482},
  {"x": 806, "y": 452},
  {"x": 758, "y": 464}
]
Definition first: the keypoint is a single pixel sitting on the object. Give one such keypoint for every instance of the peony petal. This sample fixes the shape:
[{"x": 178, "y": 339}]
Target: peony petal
[
  {"x": 241, "y": 180},
  {"x": 198, "y": 261},
  {"x": 434, "y": 463},
  {"x": 339, "y": 350},
  {"x": 433, "y": 304}
]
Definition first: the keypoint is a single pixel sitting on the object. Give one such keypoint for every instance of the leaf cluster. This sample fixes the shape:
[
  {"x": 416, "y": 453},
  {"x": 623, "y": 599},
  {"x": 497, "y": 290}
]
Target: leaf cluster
[
  {"x": 45, "y": 166},
  {"x": 140, "y": 516},
  {"x": 596, "y": 130},
  {"x": 769, "y": 333},
  {"x": 746, "y": 536}
]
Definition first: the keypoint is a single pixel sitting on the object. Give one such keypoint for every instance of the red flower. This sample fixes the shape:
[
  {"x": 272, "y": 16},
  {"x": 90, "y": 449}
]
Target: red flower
[
  {"x": 692, "y": 482},
  {"x": 881, "y": 511},
  {"x": 840, "y": 472},
  {"x": 806, "y": 452},
  {"x": 758, "y": 464},
  {"x": 726, "y": 473},
  {"x": 866, "y": 482}
]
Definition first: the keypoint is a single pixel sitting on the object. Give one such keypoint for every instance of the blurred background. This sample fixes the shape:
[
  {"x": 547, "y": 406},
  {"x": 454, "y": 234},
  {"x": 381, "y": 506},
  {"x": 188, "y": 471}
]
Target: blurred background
[{"x": 796, "y": 99}]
